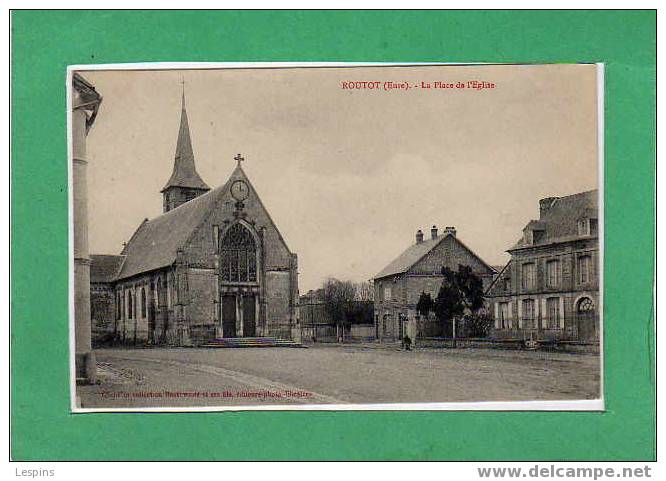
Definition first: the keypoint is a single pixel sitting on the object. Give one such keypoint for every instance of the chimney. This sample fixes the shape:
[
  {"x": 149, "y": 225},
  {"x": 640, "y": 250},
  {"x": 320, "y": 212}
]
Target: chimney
[
  {"x": 545, "y": 205},
  {"x": 433, "y": 232},
  {"x": 450, "y": 230},
  {"x": 419, "y": 236}
]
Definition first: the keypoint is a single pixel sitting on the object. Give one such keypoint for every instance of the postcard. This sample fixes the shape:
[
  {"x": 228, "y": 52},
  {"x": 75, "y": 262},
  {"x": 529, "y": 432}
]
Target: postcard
[{"x": 336, "y": 236}]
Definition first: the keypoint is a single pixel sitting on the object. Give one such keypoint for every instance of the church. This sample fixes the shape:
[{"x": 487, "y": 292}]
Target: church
[{"x": 212, "y": 265}]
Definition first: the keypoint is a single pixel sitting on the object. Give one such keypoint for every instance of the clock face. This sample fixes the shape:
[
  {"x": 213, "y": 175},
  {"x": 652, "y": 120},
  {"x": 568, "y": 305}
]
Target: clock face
[{"x": 240, "y": 190}]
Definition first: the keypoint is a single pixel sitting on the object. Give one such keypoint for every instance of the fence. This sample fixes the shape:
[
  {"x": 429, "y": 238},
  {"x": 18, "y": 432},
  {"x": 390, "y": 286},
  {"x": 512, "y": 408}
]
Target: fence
[{"x": 329, "y": 333}]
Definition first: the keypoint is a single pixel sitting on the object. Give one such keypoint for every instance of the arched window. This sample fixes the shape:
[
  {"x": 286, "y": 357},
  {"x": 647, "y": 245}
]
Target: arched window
[
  {"x": 143, "y": 302},
  {"x": 129, "y": 305},
  {"x": 585, "y": 305},
  {"x": 238, "y": 257}
]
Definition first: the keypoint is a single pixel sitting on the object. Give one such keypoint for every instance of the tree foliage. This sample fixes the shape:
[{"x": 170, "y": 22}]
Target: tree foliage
[
  {"x": 425, "y": 304},
  {"x": 461, "y": 292},
  {"x": 478, "y": 325},
  {"x": 365, "y": 291}
]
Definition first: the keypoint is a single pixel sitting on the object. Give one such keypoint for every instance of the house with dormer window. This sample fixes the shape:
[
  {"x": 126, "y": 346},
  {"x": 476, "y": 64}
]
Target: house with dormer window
[{"x": 549, "y": 290}]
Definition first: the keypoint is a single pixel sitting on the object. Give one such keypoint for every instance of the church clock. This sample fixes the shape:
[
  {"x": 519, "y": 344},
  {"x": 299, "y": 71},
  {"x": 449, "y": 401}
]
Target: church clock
[{"x": 240, "y": 190}]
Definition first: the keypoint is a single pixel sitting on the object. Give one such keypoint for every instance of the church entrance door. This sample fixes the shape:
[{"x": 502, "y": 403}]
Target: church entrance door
[
  {"x": 229, "y": 316},
  {"x": 249, "y": 316}
]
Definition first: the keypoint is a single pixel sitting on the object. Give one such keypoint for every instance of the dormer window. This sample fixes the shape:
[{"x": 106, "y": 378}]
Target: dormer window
[
  {"x": 529, "y": 236},
  {"x": 584, "y": 226}
]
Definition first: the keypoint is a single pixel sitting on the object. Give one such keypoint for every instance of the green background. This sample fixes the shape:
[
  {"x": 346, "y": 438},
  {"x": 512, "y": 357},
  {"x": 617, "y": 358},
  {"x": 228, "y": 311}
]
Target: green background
[{"x": 44, "y": 43}]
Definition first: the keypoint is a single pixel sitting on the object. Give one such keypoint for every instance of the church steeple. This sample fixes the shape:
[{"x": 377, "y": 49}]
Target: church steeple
[{"x": 185, "y": 183}]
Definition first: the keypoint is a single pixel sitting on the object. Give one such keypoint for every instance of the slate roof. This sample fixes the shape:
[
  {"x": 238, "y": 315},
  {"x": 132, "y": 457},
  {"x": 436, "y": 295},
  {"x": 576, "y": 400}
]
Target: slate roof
[
  {"x": 415, "y": 253},
  {"x": 560, "y": 222},
  {"x": 156, "y": 241},
  {"x": 184, "y": 171},
  {"x": 104, "y": 267}
]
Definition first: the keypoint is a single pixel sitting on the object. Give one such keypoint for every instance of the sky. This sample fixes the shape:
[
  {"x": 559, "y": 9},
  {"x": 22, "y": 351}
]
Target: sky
[{"x": 350, "y": 175}]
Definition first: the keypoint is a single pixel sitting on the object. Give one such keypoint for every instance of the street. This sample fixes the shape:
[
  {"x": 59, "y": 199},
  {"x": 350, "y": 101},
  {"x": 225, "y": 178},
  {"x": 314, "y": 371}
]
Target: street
[{"x": 329, "y": 373}]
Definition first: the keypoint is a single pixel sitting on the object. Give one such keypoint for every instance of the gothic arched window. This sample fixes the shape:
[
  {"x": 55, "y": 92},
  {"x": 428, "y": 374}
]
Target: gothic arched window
[
  {"x": 143, "y": 302},
  {"x": 129, "y": 305},
  {"x": 238, "y": 256}
]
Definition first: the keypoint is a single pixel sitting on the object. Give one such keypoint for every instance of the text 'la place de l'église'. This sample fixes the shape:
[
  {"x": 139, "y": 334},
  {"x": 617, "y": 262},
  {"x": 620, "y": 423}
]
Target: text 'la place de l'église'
[{"x": 438, "y": 85}]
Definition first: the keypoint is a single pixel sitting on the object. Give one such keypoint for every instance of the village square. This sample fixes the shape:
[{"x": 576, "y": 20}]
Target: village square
[{"x": 202, "y": 305}]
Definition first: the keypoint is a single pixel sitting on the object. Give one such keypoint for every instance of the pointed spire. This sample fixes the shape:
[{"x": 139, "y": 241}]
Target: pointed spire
[
  {"x": 184, "y": 171},
  {"x": 182, "y": 104}
]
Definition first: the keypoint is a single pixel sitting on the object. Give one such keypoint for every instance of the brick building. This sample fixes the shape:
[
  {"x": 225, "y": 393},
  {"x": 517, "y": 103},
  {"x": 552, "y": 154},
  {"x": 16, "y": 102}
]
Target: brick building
[
  {"x": 418, "y": 269},
  {"x": 550, "y": 287},
  {"x": 212, "y": 265}
]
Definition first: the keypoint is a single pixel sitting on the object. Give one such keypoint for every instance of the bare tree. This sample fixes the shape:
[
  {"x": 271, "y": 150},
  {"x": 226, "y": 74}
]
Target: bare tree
[
  {"x": 365, "y": 291},
  {"x": 339, "y": 303}
]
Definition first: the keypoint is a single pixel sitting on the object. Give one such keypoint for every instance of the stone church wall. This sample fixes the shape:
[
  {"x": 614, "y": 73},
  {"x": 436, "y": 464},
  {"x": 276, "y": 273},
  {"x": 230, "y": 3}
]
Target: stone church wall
[
  {"x": 278, "y": 313},
  {"x": 202, "y": 286},
  {"x": 102, "y": 312}
]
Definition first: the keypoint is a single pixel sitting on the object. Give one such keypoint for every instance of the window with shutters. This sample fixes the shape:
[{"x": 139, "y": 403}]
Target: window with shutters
[
  {"x": 552, "y": 273},
  {"x": 503, "y": 312},
  {"x": 529, "y": 314},
  {"x": 553, "y": 312},
  {"x": 528, "y": 275},
  {"x": 584, "y": 267}
]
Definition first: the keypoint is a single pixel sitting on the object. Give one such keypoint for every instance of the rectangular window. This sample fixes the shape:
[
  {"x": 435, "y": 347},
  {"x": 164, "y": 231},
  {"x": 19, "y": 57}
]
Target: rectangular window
[
  {"x": 387, "y": 293},
  {"x": 584, "y": 264},
  {"x": 552, "y": 273},
  {"x": 529, "y": 275},
  {"x": 529, "y": 320},
  {"x": 553, "y": 310},
  {"x": 504, "y": 315}
]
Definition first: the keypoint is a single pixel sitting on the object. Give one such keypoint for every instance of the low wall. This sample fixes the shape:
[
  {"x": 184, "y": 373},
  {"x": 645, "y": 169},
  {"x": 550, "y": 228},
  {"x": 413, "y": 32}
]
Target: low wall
[
  {"x": 329, "y": 333},
  {"x": 362, "y": 332},
  {"x": 565, "y": 346},
  {"x": 318, "y": 333}
]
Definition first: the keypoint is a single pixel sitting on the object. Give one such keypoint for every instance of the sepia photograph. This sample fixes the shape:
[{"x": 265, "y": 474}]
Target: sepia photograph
[{"x": 351, "y": 236}]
